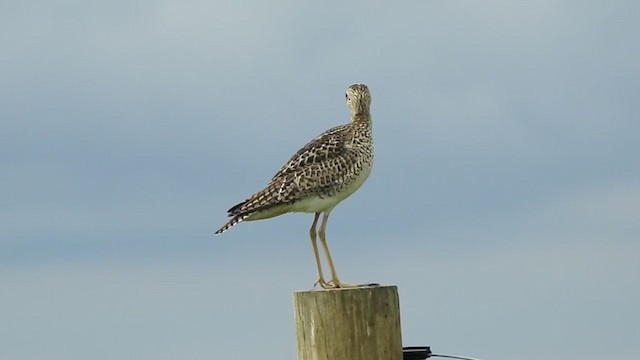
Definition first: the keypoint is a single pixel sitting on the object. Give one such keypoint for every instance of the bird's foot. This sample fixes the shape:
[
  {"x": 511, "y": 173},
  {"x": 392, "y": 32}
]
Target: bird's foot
[
  {"x": 337, "y": 284},
  {"x": 331, "y": 284},
  {"x": 322, "y": 283}
]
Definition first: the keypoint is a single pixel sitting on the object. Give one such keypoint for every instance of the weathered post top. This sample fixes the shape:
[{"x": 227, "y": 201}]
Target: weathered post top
[{"x": 348, "y": 324}]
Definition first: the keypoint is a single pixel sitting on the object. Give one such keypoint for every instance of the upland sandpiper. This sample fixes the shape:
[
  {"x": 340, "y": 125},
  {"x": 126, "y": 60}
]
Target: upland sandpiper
[{"x": 320, "y": 175}]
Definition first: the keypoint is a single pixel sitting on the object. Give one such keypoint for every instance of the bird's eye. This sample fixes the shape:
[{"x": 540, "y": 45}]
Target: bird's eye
[{"x": 346, "y": 96}]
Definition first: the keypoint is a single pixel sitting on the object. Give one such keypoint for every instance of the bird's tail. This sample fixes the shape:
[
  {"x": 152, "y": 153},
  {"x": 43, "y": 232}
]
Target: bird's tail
[{"x": 236, "y": 219}]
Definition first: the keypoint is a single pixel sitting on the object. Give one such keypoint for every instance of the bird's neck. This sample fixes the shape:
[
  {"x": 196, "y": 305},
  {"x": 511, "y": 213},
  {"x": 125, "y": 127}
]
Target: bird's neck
[{"x": 361, "y": 117}]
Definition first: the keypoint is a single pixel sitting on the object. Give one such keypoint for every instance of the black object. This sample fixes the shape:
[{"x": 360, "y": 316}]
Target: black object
[{"x": 416, "y": 352}]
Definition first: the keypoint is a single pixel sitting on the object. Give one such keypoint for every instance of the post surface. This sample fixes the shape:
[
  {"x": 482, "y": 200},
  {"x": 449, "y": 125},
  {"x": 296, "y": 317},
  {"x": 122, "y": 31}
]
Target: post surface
[{"x": 348, "y": 324}]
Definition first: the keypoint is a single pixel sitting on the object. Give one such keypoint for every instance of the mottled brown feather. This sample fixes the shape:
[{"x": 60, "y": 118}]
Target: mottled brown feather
[{"x": 325, "y": 166}]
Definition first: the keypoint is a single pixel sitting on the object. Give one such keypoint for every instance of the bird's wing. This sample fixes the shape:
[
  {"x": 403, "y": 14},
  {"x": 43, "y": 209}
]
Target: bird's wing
[
  {"x": 301, "y": 175},
  {"x": 328, "y": 145}
]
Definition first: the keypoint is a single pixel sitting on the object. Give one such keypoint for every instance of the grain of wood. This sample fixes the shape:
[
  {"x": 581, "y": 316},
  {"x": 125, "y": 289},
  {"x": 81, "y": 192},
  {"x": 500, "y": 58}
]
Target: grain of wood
[{"x": 348, "y": 324}]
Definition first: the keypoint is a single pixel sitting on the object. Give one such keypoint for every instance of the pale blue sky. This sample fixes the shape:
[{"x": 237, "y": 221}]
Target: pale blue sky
[{"x": 504, "y": 201}]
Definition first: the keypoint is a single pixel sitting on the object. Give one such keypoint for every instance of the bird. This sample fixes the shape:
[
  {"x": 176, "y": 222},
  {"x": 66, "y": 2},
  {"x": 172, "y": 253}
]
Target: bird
[{"x": 324, "y": 172}]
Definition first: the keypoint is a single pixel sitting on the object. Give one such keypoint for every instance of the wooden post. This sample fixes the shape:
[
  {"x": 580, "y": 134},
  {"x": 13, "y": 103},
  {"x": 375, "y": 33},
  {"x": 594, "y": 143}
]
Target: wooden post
[{"x": 348, "y": 324}]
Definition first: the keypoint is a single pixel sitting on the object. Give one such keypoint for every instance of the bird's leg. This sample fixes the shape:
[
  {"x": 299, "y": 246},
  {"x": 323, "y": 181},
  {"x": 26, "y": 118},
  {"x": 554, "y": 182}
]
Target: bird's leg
[
  {"x": 335, "y": 282},
  {"x": 314, "y": 244}
]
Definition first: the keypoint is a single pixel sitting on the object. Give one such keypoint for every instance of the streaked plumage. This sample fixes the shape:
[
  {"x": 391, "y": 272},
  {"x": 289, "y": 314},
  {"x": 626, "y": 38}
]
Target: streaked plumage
[{"x": 321, "y": 174}]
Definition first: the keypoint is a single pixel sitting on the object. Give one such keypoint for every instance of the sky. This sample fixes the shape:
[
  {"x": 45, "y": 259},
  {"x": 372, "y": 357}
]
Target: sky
[{"x": 504, "y": 201}]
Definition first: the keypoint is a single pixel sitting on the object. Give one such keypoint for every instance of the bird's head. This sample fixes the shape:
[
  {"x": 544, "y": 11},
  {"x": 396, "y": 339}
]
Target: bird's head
[{"x": 358, "y": 100}]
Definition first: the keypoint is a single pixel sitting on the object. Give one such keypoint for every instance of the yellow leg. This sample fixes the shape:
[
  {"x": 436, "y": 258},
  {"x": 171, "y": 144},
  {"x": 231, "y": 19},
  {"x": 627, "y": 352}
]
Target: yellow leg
[
  {"x": 314, "y": 244},
  {"x": 335, "y": 282}
]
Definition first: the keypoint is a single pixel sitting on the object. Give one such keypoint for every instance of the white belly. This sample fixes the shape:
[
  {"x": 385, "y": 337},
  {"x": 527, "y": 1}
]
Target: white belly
[{"x": 314, "y": 204}]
